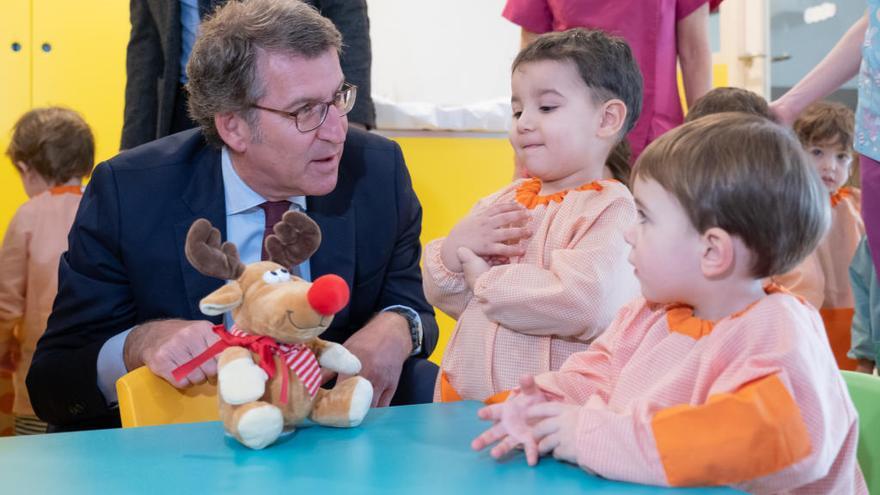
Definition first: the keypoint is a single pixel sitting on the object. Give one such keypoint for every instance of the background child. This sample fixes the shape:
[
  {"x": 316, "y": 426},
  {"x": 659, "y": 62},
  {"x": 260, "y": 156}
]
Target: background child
[
  {"x": 556, "y": 240},
  {"x": 709, "y": 378},
  {"x": 729, "y": 99},
  {"x": 825, "y": 130},
  {"x": 865, "y": 347},
  {"x": 53, "y": 150}
]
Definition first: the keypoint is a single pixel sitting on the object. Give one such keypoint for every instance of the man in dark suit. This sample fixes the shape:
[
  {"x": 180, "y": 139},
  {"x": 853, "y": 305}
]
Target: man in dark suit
[
  {"x": 162, "y": 34},
  {"x": 270, "y": 98}
]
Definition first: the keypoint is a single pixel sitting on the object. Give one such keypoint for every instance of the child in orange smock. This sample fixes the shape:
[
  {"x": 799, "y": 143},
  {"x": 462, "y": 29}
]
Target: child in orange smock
[
  {"x": 53, "y": 150},
  {"x": 537, "y": 270},
  {"x": 709, "y": 378},
  {"x": 825, "y": 130}
]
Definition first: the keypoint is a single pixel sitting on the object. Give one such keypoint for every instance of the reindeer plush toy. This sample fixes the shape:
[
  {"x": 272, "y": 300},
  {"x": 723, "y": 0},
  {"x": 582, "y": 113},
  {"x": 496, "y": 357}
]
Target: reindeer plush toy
[{"x": 269, "y": 369}]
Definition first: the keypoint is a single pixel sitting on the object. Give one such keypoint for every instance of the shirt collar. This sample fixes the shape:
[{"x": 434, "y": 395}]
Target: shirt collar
[{"x": 239, "y": 196}]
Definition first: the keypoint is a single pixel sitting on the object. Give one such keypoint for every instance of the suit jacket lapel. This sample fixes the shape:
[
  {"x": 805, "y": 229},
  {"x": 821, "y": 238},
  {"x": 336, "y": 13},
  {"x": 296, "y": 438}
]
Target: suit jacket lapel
[
  {"x": 205, "y": 198},
  {"x": 336, "y": 254}
]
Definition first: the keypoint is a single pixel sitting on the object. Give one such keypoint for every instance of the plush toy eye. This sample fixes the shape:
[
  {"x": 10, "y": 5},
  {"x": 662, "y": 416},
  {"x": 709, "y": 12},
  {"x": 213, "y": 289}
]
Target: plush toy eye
[{"x": 276, "y": 276}]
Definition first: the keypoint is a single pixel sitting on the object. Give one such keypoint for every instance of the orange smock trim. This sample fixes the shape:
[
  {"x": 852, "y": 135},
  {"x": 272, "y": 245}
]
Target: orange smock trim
[
  {"x": 680, "y": 317},
  {"x": 838, "y": 327},
  {"x": 734, "y": 437},
  {"x": 527, "y": 194},
  {"x": 57, "y": 190},
  {"x": 449, "y": 394}
]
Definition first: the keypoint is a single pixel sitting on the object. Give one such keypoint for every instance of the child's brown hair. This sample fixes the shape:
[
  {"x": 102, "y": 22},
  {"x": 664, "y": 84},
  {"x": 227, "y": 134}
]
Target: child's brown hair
[
  {"x": 748, "y": 176},
  {"x": 607, "y": 66},
  {"x": 829, "y": 123},
  {"x": 55, "y": 142},
  {"x": 727, "y": 99}
]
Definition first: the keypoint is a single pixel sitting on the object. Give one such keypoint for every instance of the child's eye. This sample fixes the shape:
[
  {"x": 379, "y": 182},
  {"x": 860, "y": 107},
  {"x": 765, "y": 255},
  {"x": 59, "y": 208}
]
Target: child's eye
[
  {"x": 843, "y": 157},
  {"x": 816, "y": 152},
  {"x": 517, "y": 114},
  {"x": 547, "y": 109},
  {"x": 641, "y": 216}
]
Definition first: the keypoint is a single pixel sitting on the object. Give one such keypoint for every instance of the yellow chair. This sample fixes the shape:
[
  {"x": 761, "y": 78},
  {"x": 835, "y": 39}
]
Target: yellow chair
[
  {"x": 147, "y": 400},
  {"x": 864, "y": 390}
]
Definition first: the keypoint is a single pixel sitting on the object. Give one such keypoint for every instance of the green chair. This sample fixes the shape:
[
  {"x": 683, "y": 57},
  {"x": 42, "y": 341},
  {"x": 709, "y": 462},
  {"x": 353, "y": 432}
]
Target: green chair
[{"x": 864, "y": 390}]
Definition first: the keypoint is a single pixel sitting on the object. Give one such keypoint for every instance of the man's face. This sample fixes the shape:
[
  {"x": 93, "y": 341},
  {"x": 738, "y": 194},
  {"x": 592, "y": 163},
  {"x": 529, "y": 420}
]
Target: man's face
[{"x": 279, "y": 161}]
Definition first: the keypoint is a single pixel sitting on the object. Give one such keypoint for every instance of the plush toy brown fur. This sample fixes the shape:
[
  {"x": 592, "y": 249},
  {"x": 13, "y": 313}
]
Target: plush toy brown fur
[{"x": 267, "y": 301}]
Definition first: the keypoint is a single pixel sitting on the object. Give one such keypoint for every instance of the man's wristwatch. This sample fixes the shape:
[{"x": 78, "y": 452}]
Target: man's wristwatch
[{"x": 415, "y": 325}]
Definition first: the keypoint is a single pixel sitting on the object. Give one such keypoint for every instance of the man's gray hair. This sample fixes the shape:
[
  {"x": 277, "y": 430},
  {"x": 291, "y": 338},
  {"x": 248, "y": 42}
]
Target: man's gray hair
[{"x": 222, "y": 68}]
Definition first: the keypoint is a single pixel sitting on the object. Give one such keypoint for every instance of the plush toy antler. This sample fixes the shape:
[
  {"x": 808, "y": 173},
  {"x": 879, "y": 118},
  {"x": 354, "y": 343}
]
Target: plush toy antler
[
  {"x": 296, "y": 238},
  {"x": 208, "y": 256}
]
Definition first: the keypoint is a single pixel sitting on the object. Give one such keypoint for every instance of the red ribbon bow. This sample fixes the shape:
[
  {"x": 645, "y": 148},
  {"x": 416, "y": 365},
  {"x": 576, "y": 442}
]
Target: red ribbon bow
[{"x": 265, "y": 347}]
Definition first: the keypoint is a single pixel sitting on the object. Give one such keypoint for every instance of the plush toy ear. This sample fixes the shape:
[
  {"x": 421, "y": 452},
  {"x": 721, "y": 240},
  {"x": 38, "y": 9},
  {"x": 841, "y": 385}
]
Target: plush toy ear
[
  {"x": 296, "y": 238},
  {"x": 205, "y": 252},
  {"x": 222, "y": 300}
]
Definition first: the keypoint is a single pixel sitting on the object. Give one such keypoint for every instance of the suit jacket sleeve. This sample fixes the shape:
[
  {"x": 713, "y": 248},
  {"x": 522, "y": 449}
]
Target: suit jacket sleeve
[
  {"x": 94, "y": 303},
  {"x": 143, "y": 66},
  {"x": 403, "y": 279}
]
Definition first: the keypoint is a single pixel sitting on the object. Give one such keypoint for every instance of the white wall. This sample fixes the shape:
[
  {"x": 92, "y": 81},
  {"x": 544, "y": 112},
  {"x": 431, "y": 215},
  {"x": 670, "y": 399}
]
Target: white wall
[{"x": 442, "y": 53}]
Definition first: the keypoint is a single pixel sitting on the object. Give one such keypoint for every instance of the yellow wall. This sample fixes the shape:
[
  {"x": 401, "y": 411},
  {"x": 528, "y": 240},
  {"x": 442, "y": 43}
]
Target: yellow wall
[
  {"x": 84, "y": 69},
  {"x": 449, "y": 175}
]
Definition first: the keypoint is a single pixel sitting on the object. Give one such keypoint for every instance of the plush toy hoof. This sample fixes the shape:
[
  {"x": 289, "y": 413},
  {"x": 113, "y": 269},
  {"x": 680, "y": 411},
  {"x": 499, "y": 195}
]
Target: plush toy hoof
[
  {"x": 260, "y": 426},
  {"x": 361, "y": 399}
]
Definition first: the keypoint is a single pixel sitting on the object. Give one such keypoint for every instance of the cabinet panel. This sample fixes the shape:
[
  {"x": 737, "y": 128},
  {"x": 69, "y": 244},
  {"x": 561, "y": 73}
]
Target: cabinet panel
[
  {"x": 79, "y": 61},
  {"x": 15, "y": 95}
]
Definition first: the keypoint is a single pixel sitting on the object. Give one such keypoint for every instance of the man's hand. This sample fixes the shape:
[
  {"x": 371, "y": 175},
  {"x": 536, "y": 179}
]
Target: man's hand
[
  {"x": 489, "y": 232},
  {"x": 382, "y": 346},
  {"x": 511, "y": 426},
  {"x": 164, "y": 345},
  {"x": 472, "y": 265},
  {"x": 555, "y": 429}
]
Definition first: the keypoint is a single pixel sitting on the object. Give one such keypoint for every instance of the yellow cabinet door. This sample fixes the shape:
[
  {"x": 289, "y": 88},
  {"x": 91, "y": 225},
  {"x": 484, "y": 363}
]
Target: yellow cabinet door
[
  {"x": 15, "y": 95},
  {"x": 79, "y": 62}
]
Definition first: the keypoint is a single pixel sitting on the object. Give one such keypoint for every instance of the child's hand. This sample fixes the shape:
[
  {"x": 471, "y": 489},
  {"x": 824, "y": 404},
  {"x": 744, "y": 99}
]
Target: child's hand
[
  {"x": 10, "y": 355},
  {"x": 511, "y": 428},
  {"x": 493, "y": 231},
  {"x": 555, "y": 429},
  {"x": 472, "y": 265}
]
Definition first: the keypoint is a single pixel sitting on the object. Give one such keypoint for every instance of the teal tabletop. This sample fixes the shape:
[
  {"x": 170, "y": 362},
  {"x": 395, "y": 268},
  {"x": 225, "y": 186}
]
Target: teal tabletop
[{"x": 412, "y": 449}]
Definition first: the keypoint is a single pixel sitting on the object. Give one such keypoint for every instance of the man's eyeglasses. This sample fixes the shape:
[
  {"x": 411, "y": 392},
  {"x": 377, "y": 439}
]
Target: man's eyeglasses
[{"x": 311, "y": 116}]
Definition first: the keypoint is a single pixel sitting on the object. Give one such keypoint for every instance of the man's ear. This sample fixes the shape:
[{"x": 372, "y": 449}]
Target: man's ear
[
  {"x": 718, "y": 254},
  {"x": 22, "y": 167},
  {"x": 613, "y": 114},
  {"x": 221, "y": 300},
  {"x": 234, "y": 130}
]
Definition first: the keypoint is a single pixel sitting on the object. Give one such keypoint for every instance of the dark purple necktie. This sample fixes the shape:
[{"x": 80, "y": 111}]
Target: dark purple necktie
[{"x": 274, "y": 211}]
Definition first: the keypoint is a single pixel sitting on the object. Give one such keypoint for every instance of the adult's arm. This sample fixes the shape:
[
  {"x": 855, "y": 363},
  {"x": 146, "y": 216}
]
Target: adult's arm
[
  {"x": 694, "y": 53},
  {"x": 839, "y": 66},
  {"x": 143, "y": 66}
]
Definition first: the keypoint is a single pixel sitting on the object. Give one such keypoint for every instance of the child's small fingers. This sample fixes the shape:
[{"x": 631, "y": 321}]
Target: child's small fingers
[
  {"x": 509, "y": 218},
  {"x": 548, "y": 444},
  {"x": 488, "y": 437},
  {"x": 532, "y": 453},
  {"x": 505, "y": 234},
  {"x": 505, "y": 446},
  {"x": 544, "y": 410},
  {"x": 505, "y": 250},
  {"x": 492, "y": 412},
  {"x": 544, "y": 428}
]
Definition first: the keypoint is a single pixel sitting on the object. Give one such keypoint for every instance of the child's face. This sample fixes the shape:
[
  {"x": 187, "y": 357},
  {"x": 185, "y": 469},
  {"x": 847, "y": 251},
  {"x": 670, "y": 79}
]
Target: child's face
[
  {"x": 33, "y": 182},
  {"x": 554, "y": 119},
  {"x": 666, "y": 247},
  {"x": 833, "y": 162}
]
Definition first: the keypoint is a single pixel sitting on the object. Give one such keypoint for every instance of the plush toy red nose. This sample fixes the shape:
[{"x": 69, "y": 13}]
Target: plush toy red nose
[{"x": 328, "y": 294}]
